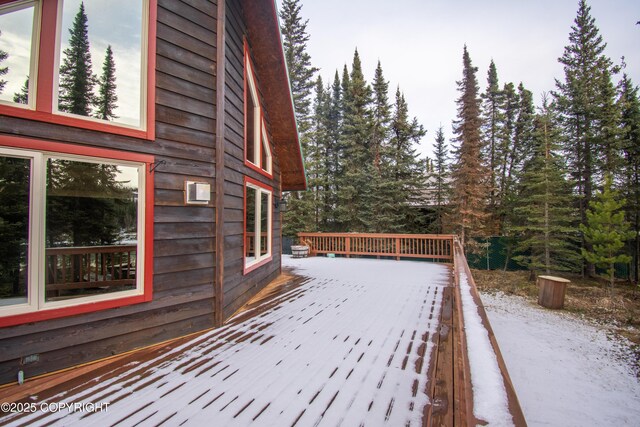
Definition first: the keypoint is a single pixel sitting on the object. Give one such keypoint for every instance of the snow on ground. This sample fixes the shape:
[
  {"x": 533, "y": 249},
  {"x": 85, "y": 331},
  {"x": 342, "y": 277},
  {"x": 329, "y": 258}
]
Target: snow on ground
[
  {"x": 566, "y": 372},
  {"x": 490, "y": 402},
  {"x": 350, "y": 346}
]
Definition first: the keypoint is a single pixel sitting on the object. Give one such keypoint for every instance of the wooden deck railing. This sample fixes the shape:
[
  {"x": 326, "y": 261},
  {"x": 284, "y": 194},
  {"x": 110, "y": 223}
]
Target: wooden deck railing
[
  {"x": 90, "y": 266},
  {"x": 437, "y": 247}
]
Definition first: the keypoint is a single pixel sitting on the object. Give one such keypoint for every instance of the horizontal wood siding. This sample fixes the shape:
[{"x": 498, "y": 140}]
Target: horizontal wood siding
[
  {"x": 239, "y": 288},
  {"x": 184, "y": 235}
]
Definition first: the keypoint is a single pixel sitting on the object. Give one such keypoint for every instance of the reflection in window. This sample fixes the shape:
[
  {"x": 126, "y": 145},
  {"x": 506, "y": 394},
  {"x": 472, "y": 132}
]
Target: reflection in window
[
  {"x": 101, "y": 59},
  {"x": 257, "y": 224},
  {"x": 15, "y": 178},
  {"x": 16, "y": 35},
  {"x": 91, "y": 228}
]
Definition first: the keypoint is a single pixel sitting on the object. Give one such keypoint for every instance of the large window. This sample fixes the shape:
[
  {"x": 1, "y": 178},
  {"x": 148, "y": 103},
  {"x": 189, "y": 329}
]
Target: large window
[
  {"x": 72, "y": 230},
  {"x": 87, "y": 64},
  {"x": 257, "y": 148},
  {"x": 258, "y": 224}
]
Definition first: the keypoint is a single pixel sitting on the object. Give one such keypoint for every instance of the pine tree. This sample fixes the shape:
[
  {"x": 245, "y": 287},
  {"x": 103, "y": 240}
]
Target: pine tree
[
  {"x": 107, "y": 98},
  {"x": 3, "y": 70},
  {"x": 22, "y": 97},
  {"x": 583, "y": 100},
  {"x": 469, "y": 173},
  {"x": 606, "y": 230},
  {"x": 545, "y": 231},
  {"x": 506, "y": 152},
  {"x": 76, "y": 78},
  {"x": 439, "y": 180},
  {"x": 492, "y": 118},
  {"x": 301, "y": 72},
  {"x": 629, "y": 106}
]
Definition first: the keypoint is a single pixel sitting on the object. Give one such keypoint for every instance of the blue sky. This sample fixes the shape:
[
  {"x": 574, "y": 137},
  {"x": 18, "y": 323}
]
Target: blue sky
[{"x": 419, "y": 44}]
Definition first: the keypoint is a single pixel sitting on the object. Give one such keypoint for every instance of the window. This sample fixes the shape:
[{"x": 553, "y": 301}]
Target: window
[
  {"x": 85, "y": 64},
  {"x": 78, "y": 224},
  {"x": 257, "y": 148},
  {"x": 17, "y": 36},
  {"x": 258, "y": 228}
]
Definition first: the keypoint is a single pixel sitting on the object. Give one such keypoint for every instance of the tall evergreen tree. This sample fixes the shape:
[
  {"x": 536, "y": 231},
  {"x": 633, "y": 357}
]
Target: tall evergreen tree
[
  {"x": 107, "y": 98},
  {"x": 545, "y": 229},
  {"x": 22, "y": 97},
  {"x": 355, "y": 186},
  {"x": 378, "y": 199},
  {"x": 606, "y": 230},
  {"x": 469, "y": 173},
  {"x": 3, "y": 70},
  {"x": 439, "y": 181},
  {"x": 492, "y": 118},
  {"x": 403, "y": 175},
  {"x": 76, "y": 78},
  {"x": 629, "y": 106},
  {"x": 506, "y": 152},
  {"x": 301, "y": 72},
  {"x": 583, "y": 104}
]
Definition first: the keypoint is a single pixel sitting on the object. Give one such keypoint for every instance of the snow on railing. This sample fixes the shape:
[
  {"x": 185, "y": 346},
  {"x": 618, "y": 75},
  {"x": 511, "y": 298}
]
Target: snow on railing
[{"x": 492, "y": 400}]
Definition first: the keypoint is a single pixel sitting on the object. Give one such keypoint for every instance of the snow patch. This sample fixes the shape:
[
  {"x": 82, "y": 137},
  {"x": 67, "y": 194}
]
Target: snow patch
[{"x": 567, "y": 372}]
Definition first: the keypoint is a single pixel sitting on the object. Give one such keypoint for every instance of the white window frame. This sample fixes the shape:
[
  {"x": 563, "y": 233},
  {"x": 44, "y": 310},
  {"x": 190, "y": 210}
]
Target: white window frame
[
  {"x": 144, "y": 64},
  {"x": 35, "y": 38},
  {"x": 37, "y": 241},
  {"x": 260, "y": 137},
  {"x": 259, "y": 193}
]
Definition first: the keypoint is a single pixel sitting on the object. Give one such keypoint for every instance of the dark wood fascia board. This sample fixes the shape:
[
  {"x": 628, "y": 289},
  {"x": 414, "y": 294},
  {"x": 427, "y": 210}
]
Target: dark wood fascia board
[{"x": 263, "y": 30}]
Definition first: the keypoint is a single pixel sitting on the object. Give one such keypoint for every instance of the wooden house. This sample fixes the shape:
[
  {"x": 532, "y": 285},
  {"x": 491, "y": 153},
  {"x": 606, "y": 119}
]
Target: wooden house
[{"x": 161, "y": 219}]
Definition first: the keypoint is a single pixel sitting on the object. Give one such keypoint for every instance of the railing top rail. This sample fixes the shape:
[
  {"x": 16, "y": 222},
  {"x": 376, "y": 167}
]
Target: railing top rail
[
  {"x": 381, "y": 235},
  {"x": 89, "y": 249}
]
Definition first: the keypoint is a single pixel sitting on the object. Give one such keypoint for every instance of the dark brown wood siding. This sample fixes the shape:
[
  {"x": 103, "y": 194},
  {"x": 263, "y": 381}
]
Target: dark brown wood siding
[
  {"x": 238, "y": 287},
  {"x": 184, "y": 236}
]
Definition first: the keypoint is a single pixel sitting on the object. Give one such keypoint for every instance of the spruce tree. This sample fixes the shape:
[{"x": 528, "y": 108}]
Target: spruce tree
[
  {"x": 606, "y": 230},
  {"x": 629, "y": 106},
  {"x": 301, "y": 72},
  {"x": 107, "y": 98},
  {"x": 439, "y": 181},
  {"x": 492, "y": 118},
  {"x": 355, "y": 186},
  {"x": 22, "y": 97},
  {"x": 506, "y": 152},
  {"x": 378, "y": 199},
  {"x": 403, "y": 176},
  {"x": 583, "y": 100},
  {"x": 545, "y": 230},
  {"x": 469, "y": 173},
  {"x": 76, "y": 78},
  {"x": 3, "y": 70}
]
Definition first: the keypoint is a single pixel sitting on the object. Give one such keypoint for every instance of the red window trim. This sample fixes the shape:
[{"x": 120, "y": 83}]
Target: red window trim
[
  {"x": 45, "y": 80},
  {"x": 249, "y": 164},
  {"x": 107, "y": 154},
  {"x": 247, "y": 270}
]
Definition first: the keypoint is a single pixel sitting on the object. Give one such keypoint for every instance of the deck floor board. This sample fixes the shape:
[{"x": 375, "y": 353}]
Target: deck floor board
[{"x": 343, "y": 342}]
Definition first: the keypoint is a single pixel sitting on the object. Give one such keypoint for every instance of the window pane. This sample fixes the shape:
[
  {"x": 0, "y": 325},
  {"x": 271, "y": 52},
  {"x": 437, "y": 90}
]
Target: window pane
[
  {"x": 250, "y": 123},
  {"x": 15, "y": 177},
  {"x": 264, "y": 223},
  {"x": 265, "y": 157},
  {"x": 91, "y": 228},
  {"x": 250, "y": 224},
  {"x": 16, "y": 27},
  {"x": 89, "y": 83}
]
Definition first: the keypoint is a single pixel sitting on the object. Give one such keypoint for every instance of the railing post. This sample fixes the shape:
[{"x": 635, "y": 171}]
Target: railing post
[
  {"x": 347, "y": 246},
  {"x": 397, "y": 249}
]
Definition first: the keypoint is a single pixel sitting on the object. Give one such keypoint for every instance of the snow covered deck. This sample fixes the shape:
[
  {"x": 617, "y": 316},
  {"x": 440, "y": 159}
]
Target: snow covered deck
[{"x": 334, "y": 342}]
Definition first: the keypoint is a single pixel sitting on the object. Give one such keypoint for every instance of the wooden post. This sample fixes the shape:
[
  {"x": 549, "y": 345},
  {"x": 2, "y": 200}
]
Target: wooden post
[{"x": 551, "y": 291}]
